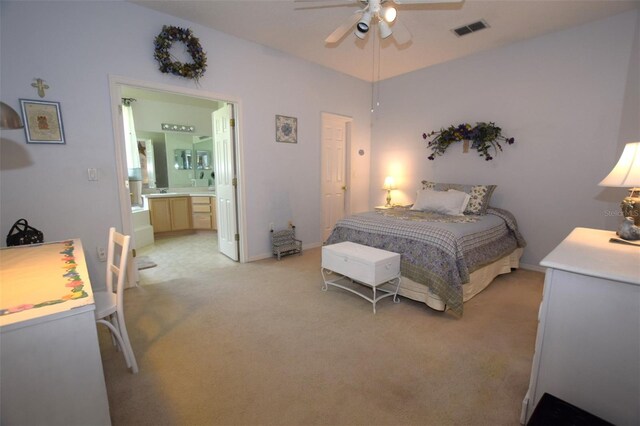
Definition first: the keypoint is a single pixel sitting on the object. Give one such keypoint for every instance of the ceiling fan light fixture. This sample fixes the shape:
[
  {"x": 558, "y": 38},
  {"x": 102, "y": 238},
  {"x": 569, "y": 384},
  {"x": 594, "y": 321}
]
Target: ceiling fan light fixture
[
  {"x": 389, "y": 14},
  {"x": 362, "y": 27},
  {"x": 384, "y": 29}
]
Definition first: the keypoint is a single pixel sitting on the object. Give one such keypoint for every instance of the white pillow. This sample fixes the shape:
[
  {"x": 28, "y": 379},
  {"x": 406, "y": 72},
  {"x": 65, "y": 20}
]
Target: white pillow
[
  {"x": 467, "y": 198},
  {"x": 443, "y": 202}
]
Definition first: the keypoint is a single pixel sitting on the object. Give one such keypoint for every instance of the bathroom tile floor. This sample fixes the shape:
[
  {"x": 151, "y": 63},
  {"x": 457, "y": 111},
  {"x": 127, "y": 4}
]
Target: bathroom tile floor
[{"x": 183, "y": 256}]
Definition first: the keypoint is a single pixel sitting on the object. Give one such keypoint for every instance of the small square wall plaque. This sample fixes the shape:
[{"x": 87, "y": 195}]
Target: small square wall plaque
[{"x": 286, "y": 129}]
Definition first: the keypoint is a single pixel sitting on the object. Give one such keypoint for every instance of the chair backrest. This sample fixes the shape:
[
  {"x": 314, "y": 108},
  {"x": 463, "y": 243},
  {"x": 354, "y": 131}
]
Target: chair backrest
[
  {"x": 117, "y": 257},
  {"x": 282, "y": 237}
]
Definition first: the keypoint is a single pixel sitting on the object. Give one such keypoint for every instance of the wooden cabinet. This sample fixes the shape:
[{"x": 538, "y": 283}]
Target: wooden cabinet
[
  {"x": 182, "y": 213},
  {"x": 588, "y": 343},
  {"x": 160, "y": 212},
  {"x": 204, "y": 212},
  {"x": 170, "y": 213}
]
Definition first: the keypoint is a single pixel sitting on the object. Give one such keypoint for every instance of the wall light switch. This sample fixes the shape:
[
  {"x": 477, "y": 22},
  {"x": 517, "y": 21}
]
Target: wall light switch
[{"x": 92, "y": 174}]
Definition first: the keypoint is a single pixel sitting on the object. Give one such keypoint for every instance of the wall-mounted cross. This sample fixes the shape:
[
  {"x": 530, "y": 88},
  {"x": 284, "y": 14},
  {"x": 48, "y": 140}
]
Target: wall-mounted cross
[{"x": 40, "y": 85}]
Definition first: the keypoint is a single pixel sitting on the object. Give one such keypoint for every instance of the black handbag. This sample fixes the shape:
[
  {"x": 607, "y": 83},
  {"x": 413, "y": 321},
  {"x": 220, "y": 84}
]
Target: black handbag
[{"x": 22, "y": 233}]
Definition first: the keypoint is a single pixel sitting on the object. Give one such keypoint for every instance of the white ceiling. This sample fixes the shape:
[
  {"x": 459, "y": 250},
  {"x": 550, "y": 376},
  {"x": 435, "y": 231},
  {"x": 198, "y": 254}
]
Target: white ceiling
[{"x": 299, "y": 28}]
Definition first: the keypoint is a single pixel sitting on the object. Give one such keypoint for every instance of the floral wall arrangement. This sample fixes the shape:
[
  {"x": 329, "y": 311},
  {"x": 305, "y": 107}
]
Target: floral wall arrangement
[
  {"x": 168, "y": 64},
  {"x": 483, "y": 137}
]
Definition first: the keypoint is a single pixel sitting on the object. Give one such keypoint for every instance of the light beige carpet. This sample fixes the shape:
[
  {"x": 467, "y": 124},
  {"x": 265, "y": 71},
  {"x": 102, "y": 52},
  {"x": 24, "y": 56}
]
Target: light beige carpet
[{"x": 260, "y": 343}]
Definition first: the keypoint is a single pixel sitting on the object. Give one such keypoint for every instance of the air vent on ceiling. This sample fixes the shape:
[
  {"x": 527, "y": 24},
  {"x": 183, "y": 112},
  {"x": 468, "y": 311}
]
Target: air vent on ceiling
[{"x": 470, "y": 28}]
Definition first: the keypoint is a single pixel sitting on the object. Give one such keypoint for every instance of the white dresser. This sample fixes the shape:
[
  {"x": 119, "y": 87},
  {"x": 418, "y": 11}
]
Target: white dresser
[
  {"x": 587, "y": 349},
  {"x": 50, "y": 366}
]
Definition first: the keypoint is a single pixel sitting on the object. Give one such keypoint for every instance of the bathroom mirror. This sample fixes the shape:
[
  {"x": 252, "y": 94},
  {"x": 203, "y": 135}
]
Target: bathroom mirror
[
  {"x": 203, "y": 161},
  {"x": 182, "y": 159},
  {"x": 179, "y": 160}
]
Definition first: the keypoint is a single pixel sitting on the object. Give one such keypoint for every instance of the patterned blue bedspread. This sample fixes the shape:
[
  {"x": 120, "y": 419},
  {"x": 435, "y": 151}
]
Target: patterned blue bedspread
[{"x": 438, "y": 251}]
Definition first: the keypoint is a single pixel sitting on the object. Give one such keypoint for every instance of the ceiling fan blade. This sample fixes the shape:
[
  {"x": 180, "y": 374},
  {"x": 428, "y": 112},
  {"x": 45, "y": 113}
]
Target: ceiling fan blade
[
  {"x": 324, "y": 1},
  {"x": 346, "y": 26},
  {"x": 425, "y": 1},
  {"x": 400, "y": 33}
]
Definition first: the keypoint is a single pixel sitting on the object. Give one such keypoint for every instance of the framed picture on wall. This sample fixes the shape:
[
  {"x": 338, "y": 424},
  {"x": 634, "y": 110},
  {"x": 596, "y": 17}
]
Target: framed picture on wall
[
  {"x": 286, "y": 129},
  {"x": 42, "y": 121}
]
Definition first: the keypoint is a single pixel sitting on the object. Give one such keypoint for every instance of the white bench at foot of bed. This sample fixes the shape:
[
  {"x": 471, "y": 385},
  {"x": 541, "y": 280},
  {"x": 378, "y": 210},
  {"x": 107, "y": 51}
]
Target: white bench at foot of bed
[{"x": 365, "y": 265}]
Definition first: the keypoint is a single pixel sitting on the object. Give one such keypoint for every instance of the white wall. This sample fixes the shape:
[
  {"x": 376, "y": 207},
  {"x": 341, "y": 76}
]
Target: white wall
[
  {"x": 570, "y": 99},
  {"x": 567, "y": 98},
  {"x": 148, "y": 115},
  {"x": 75, "y": 46}
]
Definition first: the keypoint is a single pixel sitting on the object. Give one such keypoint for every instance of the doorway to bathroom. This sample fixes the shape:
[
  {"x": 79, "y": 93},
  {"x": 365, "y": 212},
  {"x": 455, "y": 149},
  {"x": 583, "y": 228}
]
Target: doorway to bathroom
[{"x": 168, "y": 194}]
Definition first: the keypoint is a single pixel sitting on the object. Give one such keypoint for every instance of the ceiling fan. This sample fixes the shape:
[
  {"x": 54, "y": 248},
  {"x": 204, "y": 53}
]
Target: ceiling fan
[{"x": 380, "y": 13}]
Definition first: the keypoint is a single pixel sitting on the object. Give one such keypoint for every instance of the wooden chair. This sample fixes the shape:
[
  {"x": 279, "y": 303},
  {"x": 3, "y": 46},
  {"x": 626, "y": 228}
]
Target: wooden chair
[
  {"x": 285, "y": 243},
  {"x": 109, "y": 304}
]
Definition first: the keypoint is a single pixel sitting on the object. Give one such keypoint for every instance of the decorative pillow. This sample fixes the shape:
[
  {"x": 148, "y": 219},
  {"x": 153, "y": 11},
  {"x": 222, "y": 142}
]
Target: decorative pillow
[
  {"x": 480, "y": 194},
  {"x": 443, "y": 202},
  {"x": 465, "y": 203}
]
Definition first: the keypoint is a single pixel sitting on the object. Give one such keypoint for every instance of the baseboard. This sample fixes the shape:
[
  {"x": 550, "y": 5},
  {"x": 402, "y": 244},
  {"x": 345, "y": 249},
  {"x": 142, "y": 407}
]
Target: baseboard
[
  {"x": 530, "y": 267},
  {"x": 268, "y": 255}
]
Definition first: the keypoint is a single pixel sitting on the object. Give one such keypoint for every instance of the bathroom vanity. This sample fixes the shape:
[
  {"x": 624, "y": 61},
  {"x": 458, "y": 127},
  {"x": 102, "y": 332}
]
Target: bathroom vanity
[
  {"x": 203, "y": 212},
  {"x": 181, "y": 212}
]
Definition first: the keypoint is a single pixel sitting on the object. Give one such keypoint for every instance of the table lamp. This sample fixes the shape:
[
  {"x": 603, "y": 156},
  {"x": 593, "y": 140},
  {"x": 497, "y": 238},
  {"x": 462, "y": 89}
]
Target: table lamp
[
  {"x": 389, "y": 184},
  {"x": 9, "y": 118},
  {"x": 626, "y": 174}
]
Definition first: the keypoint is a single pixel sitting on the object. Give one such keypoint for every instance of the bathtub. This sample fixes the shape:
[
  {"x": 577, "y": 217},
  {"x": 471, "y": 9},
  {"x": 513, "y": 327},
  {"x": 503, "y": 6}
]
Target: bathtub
[{"x": 142, "y": 229}]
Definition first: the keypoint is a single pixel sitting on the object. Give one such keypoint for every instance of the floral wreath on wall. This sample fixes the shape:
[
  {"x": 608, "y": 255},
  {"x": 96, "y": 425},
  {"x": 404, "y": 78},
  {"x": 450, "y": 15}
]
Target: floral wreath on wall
[
  {"x": 483, "y": 136},
  {"x": 168, "y": 63}
]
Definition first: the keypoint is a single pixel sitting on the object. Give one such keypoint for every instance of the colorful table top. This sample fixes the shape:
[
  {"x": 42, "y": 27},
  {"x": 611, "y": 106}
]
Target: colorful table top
[{"x": 42, "y": 279}]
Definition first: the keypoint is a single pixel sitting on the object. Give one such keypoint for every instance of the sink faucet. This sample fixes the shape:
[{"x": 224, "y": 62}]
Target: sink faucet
[{"x": 163, "y": 190}]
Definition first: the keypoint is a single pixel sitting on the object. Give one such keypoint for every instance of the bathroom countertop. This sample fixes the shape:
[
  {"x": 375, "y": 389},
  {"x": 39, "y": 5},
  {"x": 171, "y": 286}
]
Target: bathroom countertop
[{"x": 180, "y": 194}]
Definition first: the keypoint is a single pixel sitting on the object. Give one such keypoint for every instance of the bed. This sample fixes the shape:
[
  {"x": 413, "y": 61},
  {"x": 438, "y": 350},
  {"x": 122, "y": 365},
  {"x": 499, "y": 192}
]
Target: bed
[{"x": 445, "y": 259}]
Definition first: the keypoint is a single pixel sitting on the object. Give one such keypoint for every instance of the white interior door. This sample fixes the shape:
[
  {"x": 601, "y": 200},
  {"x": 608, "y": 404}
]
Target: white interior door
[
  {"x": 226, "y": 211},
  {"x": 333, "y": 163}
]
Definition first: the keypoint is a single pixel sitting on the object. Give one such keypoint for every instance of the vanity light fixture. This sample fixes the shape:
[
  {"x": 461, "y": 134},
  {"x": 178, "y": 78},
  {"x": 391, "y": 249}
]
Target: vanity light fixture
[{"x": 178, "y": 127}]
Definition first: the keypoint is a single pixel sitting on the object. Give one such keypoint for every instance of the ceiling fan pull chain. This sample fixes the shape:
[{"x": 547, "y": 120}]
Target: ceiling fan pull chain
[
  {"x": 373, "y": 70},
  {"x": 378, "y": 79}
]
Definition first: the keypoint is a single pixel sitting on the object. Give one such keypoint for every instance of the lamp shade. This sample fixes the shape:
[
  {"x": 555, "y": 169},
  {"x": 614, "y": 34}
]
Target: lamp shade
[
  {"x": 389, "y": 183},
  {"x": 626, "y": 172},
  {"x": 9, "y": 118}
]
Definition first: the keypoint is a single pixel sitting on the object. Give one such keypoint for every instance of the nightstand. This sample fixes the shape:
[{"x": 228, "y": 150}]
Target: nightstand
[{"x": 383, "y": 207}]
